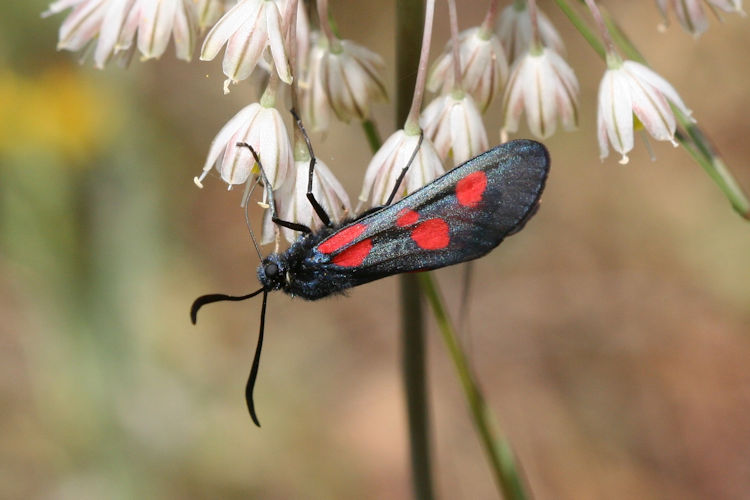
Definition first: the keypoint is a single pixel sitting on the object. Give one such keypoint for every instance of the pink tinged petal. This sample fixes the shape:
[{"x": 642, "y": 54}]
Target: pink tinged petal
[
  {"x": 391, "y": 170},
  {"x": 129, "y": 27},
  {"x": 227, "y": 26},
  {"x": 439, "y": 72},
  {"x": 426, "y": 167},
  {"x": 314, "y": 99},
  {"x": 691, "y": 15},
  {"x": 337, "y": 200},
  {"x": 268, "y": 229},
  {"x": 660, "y": 84},
  {"x": 460, "y": 136},
  {"x": 377, "y": 166},
  {"x": 81, "y": 26},
  {"x": 59, "y": 6},
  {"x": 110, "y": 31},
  {"x": 276, "y": 42},
  {"x": 728, "y": 5},
  {"x": 618, "y": 112},
  {"x": 244, "y": 50},
  {"x": 513, "y": 99},
  {"x": 653, "y": 110},
  {"x": 155, "y": 27},
  {"x": 184, "y": 31},
  {"x": 567, "y": 92},
  {"x": 217, "y": 153},
  {"x": 539, "y": 99},
  {"x": 357, "y": 85}
]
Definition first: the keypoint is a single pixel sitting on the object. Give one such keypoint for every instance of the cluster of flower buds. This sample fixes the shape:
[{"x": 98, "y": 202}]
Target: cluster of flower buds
[{"x": 515, "y": 51}]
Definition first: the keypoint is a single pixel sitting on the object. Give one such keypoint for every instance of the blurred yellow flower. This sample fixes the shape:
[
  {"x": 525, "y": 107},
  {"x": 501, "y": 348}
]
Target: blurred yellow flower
[{"x": 59, "y": 111}]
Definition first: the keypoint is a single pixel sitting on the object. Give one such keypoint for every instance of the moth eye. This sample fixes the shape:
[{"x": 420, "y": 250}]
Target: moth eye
[{"x": 271, "y": 270}]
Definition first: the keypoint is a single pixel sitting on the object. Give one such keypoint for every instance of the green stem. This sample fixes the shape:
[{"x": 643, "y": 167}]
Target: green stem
[
  {"x": 497, "y": 447},
  {"x": 372, "y": 135},
  {"x": 695, "y": 141},
  {"x": 408, "y": 43}
]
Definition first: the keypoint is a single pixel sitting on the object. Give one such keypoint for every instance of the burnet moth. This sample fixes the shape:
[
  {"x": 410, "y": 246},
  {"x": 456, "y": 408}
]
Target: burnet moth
[{"x": 459, "y": 216}]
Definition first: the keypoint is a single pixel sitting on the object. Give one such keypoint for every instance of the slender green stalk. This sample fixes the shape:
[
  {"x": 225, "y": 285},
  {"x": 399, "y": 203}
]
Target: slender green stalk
[
  {"x": 372, "y": 135},
  {"x": 409, "y": 42},
  {"x": 497, "y": 447},
  {"x": 694, "y": 140}
]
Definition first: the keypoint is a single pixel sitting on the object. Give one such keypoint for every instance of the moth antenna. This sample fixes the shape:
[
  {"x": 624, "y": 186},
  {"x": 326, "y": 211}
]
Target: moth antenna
[
  {"x": 405, "y": 169},
  {"x": 269, "y": 192},
  {"x": 245, "y": 205},
  {"x": 256, "y": 363},
  {"x": 217, "y": 297},
  {"x": 319, "y": 210}
]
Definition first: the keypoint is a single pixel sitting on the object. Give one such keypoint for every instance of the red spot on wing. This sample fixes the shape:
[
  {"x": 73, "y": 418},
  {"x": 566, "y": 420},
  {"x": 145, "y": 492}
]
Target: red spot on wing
[
  {"x": 407, "y": 217},
  {"x": 354, "y": 255},
  {"x": 470, "y": 189},
  {"x": 342, "y": 238},
  {"x": 431, "y": 234}
]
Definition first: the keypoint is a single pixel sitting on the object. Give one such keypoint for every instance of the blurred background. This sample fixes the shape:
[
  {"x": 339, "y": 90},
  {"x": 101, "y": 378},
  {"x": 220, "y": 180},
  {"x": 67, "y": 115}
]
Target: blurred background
[{"x": 610, "y": 336}]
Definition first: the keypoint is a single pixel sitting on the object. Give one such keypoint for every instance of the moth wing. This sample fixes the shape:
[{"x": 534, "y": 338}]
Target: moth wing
[{"x": 459, "y": 216}]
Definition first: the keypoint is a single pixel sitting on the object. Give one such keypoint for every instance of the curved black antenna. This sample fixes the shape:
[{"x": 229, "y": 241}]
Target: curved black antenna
[
  {"x": 218, "y": 297},
  {"x": 247, "y": 218},
  {"x": 269, "y": 190},
  {"x": 256, "y": 363},
  {"x": 319, "y": 210}
]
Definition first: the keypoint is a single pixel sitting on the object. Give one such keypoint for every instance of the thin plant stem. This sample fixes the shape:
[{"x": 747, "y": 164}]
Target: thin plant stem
[
  {"x": 603, "y": 31},
  {"x": 489, "y": 18},
  {"x": 694, "y": 140},
  {"x": 458, "y": 83},
  {"x": 411, "y": 124},
  {"x": 408, "y": 56},
  {"x": 496, "y": 446}
]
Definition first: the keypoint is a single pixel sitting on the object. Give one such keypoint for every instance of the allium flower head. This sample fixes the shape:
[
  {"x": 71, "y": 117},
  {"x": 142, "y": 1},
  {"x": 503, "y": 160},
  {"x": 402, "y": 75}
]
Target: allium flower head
[
  {"x": 692, "y": 13},
  {"x": 328, "y": 191},
  {"x": 453, "y": 123},
  {"x": 629, "y": 88},
  {"x": 247, "y": 29},
  {"x": 352, "y": 78},
  {"x": 484, "y": 67},
  {"x": 385, "y": 167},
  {"x": 263, "y": 128},
  {"x": 543, "y": 84},
  {"x": 113, "y": 24},
  {"x": 514, "y": 30}
]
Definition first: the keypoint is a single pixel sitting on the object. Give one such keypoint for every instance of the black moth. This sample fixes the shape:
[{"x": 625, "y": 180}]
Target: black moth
[{"x": 459, "y": 216}]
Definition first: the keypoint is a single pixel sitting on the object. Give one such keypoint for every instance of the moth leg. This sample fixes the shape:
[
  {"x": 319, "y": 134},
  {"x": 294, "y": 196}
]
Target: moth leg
[
  {"x": 404, "y": 170},
  {"x": 294, "y": 226},
  {"x": 319, "y": 210}
]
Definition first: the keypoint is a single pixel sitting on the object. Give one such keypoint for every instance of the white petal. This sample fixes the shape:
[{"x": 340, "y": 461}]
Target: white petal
[
  {"x": 110, "y": 31},
  {"x": 227, "y": 26},
  {"x": 81, "y": 25},
  {"x": 155, "y": 27},
  {"x": 652, "y": 78},
  {"x": 619, "y": 112},
  {"x": 184, "y": 31},
  {"x": 276, "y": 42},
  {"x": 244, "y": 49},
  {"x": 59, "y": 6}
]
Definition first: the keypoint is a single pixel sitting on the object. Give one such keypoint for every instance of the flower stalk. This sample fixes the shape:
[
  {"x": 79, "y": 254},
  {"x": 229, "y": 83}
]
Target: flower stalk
[
  {"x": 499, "y": 452},
  {"x": 412, "y": 311}
]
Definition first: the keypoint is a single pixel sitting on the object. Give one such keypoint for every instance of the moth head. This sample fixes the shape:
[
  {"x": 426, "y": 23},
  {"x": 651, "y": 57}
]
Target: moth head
[{"x": 272, "y": 272}]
